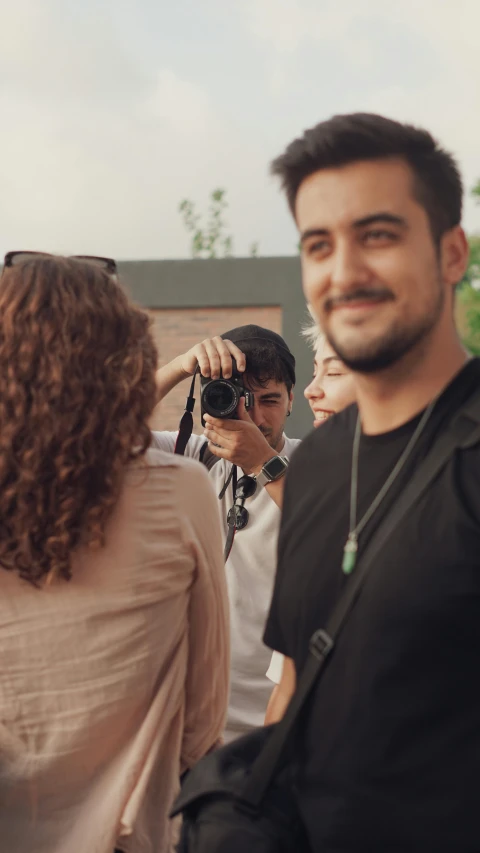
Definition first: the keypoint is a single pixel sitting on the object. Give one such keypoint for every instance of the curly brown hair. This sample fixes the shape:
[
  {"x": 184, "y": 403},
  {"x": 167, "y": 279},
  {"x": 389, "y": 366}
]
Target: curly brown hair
[{"x": 78, "y": 364}]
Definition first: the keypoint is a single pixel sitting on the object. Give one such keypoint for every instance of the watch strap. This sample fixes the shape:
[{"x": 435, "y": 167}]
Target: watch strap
[{"x": 264, "y": 477}]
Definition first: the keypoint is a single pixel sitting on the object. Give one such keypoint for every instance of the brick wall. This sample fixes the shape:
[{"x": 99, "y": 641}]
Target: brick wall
[{"x": 178, "y": 329}]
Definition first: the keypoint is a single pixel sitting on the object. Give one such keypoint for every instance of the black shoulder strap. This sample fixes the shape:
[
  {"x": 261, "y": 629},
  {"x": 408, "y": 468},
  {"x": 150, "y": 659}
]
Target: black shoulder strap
[{"x": 463, "y": 432}]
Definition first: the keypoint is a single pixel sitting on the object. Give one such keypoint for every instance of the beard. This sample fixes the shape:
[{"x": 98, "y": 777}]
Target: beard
[
  {"x": 273, "y": 439},
  {"x": 382, "y": 352}
]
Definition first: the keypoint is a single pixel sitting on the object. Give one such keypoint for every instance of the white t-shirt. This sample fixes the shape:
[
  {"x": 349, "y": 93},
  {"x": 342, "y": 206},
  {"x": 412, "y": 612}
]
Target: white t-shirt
[
  {"x": 275, "y": 670},
  {"x": 250, "y": 572}
]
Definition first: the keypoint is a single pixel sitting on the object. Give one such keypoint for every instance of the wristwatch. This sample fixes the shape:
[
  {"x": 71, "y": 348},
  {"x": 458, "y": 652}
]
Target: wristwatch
[{"x": 273, "y": 470}]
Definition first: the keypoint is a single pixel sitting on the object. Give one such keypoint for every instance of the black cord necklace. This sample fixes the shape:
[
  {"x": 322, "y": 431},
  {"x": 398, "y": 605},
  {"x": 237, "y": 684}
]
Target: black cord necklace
[{"x": 351, "y": 545}]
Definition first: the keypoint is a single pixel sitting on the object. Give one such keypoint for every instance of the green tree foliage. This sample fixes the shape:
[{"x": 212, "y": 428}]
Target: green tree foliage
[
  {"x": 472, "y": 276},
  {"x": 470, "y": 296},
  {"x": 210, "y": 239},
  {"x": 470, "y": 288}
]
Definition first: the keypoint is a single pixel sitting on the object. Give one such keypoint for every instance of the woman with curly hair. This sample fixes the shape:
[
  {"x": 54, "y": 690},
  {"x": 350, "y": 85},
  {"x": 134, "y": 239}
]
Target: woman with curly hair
[{"x": 113, "y": 607}]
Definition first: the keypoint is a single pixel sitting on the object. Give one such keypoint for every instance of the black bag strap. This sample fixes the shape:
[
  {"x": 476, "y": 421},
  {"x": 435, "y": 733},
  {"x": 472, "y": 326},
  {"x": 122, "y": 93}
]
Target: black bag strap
[{"x": 462, "y": 432}]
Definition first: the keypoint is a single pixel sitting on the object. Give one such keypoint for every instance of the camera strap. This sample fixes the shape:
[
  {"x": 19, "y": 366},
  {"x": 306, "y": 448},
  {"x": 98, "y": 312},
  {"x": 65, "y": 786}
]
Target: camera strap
[
  {"x": 186, "y": 424},
  {"x": 232, "y": 520},
  {"x": 237, "y": 518},
  {"x": 185, "y": 430},
  {"x": 231, "y": 477},
  {"x": 184, "y": 433}
]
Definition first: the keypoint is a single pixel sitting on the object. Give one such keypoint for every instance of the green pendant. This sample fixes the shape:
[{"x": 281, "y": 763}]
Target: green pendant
[{"x": 350, "y": 554}]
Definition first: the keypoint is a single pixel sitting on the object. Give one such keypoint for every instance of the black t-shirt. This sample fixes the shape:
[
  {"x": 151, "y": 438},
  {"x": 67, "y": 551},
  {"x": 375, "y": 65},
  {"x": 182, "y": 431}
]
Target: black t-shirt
[{"x": 388, "y": 754}]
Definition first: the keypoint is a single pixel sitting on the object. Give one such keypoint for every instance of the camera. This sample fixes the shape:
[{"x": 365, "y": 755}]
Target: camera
[{"x": 220, "y": 397}]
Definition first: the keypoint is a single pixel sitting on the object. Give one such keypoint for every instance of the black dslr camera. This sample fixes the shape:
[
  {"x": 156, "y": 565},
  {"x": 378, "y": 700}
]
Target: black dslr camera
[{"x": 220, "y": 397}]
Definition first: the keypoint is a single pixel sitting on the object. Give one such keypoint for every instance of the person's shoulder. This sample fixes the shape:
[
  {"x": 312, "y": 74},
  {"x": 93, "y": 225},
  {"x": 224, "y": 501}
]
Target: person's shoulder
[
  {"x": 290, "y": 445},
  {"x": 163, "y": 460},
  {"x": 468, "y": 469},
  {"x": 160, "y": 471},
  {"x": 470, "y": 370},
  {"x": 166, "y": 499},
  {"x": 166, "y": 482},
  {"x": 166, "y": 441},
  {"x": 336, "y": 433}
]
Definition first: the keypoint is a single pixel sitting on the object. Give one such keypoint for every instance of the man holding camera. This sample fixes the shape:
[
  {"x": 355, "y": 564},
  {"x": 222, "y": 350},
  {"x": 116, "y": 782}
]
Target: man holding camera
[{"x": 259, "y": 370}]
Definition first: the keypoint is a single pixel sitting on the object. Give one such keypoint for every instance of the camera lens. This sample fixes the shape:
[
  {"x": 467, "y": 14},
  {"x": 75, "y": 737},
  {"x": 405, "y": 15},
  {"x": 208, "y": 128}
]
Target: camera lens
[{"x": 220, "y": 398}]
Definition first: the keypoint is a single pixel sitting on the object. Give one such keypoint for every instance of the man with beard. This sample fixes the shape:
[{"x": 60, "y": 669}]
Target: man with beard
[
  {"x": 253, "y": 443},
  {"x": 389, "y": 748}
]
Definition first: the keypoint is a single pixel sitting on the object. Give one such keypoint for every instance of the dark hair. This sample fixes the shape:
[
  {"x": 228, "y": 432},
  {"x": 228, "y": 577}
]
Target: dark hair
[
  {"x": 78, "y": 365},
  {"x": 347, "y": 139},
  {"x": 264, "y": 364}
]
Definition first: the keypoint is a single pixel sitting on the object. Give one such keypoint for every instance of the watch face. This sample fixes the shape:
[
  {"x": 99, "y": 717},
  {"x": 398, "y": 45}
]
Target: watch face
[{"x": 275, "y": 467}]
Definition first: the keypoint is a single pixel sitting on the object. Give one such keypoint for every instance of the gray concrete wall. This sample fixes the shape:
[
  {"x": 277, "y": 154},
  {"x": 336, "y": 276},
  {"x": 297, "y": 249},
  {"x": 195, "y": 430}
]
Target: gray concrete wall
[{"x": 232, "y": 282}]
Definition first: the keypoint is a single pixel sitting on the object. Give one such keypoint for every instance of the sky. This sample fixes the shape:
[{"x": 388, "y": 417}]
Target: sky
[{"x": 113, "y": 111}]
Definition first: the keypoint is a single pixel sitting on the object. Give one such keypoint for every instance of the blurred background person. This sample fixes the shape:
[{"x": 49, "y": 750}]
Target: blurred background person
[
  {"x": 331, "y": 388},
  {"x": 330, "y": 391},
  {"x": 245, "y": 445},
  {"x": 113, "y": 608}
]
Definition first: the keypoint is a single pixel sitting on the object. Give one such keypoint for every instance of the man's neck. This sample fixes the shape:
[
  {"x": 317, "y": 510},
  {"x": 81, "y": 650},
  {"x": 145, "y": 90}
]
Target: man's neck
[{"x": 388, "y": 399}]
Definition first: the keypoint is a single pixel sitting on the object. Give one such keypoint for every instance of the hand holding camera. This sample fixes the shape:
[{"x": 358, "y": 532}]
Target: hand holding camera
[
  {"x": 220, "y": 397},
  {"x": 225, "y": 402},
  {"x": 239, "y": 441},
  {"x": 213, "y": 357},
  {"x": 221, "y": 365}
]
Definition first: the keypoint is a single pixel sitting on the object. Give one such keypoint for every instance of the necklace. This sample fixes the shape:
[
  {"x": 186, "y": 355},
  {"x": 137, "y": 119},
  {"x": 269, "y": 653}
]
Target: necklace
[{"x": 351, "y": 545}]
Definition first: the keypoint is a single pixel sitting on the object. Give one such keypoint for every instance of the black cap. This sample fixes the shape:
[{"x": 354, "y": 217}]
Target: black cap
[{"x": 245, "y": 334}]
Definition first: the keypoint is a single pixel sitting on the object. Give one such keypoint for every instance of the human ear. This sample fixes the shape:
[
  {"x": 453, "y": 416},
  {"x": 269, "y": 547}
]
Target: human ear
[{"x": 454, "y": 256}]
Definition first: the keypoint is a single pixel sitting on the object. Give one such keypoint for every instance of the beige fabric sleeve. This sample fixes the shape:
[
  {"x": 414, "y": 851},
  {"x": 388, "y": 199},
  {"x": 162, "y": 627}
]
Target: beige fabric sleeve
[{"x": 207, "y": 683}]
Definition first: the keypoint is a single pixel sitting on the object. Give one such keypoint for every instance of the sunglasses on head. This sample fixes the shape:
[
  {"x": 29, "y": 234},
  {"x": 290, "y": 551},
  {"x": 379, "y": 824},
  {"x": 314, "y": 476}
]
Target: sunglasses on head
[{"x": 13, "y": 259}]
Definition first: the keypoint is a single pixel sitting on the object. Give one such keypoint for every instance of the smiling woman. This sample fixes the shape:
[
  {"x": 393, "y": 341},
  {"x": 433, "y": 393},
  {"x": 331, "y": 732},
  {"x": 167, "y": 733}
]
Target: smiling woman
[{"x": 332, "y": 386}]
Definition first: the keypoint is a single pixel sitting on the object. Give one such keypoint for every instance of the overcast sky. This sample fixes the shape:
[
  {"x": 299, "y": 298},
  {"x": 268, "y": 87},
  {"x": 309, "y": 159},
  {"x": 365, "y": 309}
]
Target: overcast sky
[{"x": 112, "y": 111}]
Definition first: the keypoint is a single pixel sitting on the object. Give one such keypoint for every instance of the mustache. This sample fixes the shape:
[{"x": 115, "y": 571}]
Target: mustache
[{"x": 361, "y": 294}]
